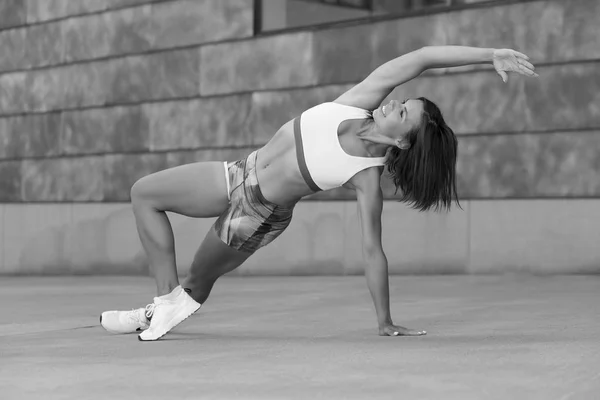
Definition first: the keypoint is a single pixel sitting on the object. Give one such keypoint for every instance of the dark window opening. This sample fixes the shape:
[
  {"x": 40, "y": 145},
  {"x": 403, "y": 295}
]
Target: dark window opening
[{"x": 276, "y": 15}]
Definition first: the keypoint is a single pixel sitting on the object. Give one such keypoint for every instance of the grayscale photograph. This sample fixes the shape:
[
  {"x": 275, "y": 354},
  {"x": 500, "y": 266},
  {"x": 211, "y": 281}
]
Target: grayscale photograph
[{"x": 300, "y": 199}]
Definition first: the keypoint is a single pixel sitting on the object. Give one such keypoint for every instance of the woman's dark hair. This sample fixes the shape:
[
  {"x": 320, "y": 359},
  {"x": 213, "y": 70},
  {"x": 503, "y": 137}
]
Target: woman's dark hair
[{"x": 426, "y": 172}]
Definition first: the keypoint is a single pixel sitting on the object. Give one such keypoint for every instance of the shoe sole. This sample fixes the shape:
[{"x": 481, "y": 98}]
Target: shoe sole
[{"x": 179, "y": 317}]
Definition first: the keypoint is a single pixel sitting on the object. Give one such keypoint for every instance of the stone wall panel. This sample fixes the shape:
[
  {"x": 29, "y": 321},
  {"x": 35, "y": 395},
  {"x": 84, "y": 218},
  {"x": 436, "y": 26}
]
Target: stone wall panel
[
  {"x": 272, "y": 62},
  {"x": 121, "y": 171},
  {"x": 529, "y": 165},
  {"x": 101, "y": 35},
  {"x": 10, "y": 181},
  {"x": 12, "y": 13},
  {"x": 212, "y": 122},
  {"x": 118, "y": 129},
  {"x": 40, "y": 134},
  {"x": 12, "y": 50},
  {"x": 189, "y": 22},
  {"x": 11, "y": 138},
  {"x": 43, "y": 45},
  {"x": 63, "y": 179},
  {"x": 156, "y": 76}
]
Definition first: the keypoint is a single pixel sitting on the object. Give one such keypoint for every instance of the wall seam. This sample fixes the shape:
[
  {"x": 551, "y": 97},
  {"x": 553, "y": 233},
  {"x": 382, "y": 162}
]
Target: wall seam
[
  {"x": 80, "y": 15},
  {"x": 239, "y": 93},
  {"x": 321, "y": 200},
  {"x": 199, "y": 46},
  {"x": 257, "y": 145}
]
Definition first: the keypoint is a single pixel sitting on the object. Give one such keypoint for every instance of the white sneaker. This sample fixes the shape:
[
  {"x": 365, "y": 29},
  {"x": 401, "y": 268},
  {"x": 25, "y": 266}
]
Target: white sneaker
[
  {"x": 127, "y": 321},
  {"x": 169, "y": 311}
]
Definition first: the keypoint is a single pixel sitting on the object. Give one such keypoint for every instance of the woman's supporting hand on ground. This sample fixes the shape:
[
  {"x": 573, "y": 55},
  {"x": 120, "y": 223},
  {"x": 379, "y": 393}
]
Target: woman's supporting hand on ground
[{"x": 507, "y": 60}]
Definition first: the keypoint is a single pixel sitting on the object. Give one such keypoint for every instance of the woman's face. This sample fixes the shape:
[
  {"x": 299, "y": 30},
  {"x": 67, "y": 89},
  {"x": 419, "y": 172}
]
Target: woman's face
[{"x": 396, "y": 119}]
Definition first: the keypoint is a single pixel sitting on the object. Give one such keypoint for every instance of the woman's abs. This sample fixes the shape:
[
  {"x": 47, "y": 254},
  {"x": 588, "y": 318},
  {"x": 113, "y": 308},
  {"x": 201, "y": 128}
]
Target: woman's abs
[{"x": 277, "y": 169}]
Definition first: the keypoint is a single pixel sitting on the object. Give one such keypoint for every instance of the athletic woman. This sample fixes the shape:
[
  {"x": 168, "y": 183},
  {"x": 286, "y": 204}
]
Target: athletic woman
[{"x": 340, "y": 143}]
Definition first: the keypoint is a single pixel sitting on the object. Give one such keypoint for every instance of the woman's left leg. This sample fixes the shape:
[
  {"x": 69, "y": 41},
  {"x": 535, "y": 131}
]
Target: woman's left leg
[{"x": 212, "y": 260}]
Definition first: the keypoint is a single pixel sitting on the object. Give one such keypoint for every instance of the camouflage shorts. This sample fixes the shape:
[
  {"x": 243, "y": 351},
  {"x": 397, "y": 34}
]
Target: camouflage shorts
[{"x": 251, "y": 221}]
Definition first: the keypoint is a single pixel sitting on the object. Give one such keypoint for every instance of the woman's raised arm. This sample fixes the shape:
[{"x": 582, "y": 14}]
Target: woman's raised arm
[{"x": 369, "y": 93}]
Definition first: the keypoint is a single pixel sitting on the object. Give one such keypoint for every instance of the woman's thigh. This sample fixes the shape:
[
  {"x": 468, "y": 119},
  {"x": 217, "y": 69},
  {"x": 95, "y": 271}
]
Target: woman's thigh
[{"x": 195, "y": 190}]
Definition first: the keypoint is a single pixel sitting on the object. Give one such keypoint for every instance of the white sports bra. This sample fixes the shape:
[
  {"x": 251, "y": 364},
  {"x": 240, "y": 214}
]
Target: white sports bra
[{"x": 323, "y": 162}]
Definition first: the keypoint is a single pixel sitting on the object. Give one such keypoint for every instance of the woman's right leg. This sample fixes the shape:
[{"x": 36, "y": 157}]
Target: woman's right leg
[{"x": 195, "y": 190}]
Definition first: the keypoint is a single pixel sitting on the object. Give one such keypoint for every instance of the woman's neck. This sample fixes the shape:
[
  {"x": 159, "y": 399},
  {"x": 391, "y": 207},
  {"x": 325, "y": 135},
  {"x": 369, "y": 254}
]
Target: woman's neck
[{"x": 375, "y": 144}]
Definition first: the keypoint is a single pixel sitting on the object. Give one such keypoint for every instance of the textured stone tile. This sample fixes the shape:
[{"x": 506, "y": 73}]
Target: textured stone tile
[
  {"x": 10, "y": 181},
  {"x": 85, "y": 85},
  {"x": 117, "y": 129},
  {"x": 12, "y": 13},
  {"x": 12, "y": 92},
  {"x": 157, "y": 76},
  {"x": 271, "y": 110},
  {"x": 43, "y": 10},
  {"x": 541, "y": 165},
  {"x": 498, "y": 27},
  {"x": 12, "y": 51},
  {"x": 121, "y": 171},
  {"x": 342, "y": 55},
  {"x": 539, "y": 236},
  {"x": 44, "y": 45},
  {"x": 546, "y": 30},
  {"x": 391, "y": 39},
  {"x": 267, "y": 63},
  {"x": 211, "y": 122},
  {"x": 120, "y": 32},
  {"x": 565, "y": 97},
  {"x": 568, "y": 165},
  {"x": 40, "y": 134},
  {"x": 63, "y": 179},
  {"x": 11, "y": 139},
  {"x": 132, "y": 79},
  {"x": 187, "y": 22},
  {"x": 562, "y": 30},
  {"x": 47, "y": 89}
]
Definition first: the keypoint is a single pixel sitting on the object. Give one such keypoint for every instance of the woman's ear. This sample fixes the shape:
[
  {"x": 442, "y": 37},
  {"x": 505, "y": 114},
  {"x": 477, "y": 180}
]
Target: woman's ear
[{"x": 402, "y": 144}]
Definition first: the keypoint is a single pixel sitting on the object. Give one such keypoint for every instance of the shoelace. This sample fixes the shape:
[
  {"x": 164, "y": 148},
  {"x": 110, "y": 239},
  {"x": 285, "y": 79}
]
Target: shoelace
[{"x": 150, "y": 310}]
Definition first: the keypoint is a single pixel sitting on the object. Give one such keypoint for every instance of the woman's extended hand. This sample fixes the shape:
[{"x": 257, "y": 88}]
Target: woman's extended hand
[
  {"x": 395, "y": 330},
  {"x": 507, "y": 60}
]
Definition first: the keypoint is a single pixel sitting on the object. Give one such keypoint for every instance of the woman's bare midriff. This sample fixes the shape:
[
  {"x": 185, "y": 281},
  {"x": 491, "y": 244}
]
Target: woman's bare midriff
[{"x": 277, "y": 169}]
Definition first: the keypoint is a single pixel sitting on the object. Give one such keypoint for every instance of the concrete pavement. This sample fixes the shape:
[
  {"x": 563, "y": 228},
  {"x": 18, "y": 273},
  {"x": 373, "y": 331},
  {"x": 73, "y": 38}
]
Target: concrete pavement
[{"x": 489, "y": 337}]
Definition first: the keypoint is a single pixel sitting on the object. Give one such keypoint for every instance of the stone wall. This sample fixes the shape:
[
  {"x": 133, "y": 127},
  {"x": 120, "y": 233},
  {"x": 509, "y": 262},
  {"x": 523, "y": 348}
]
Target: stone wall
[{"x": 97, "y": 93}]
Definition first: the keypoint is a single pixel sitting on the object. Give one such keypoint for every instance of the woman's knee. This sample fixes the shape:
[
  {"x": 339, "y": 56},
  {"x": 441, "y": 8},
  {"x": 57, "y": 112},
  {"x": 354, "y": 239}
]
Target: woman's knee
[{"x": 141, "y": 190}]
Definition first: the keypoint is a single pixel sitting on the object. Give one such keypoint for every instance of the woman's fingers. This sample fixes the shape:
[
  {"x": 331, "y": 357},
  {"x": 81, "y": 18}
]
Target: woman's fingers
[
  {"x": 526, "y": 64},
  {"x": 521, "y": 55},
  {"x": 526, "y": 71},
  {"x": 503, "y": 75}
]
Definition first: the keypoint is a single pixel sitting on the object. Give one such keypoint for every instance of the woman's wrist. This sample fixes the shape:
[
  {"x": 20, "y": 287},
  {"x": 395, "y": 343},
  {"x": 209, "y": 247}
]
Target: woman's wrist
[{"x": 489, "y": 55}]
